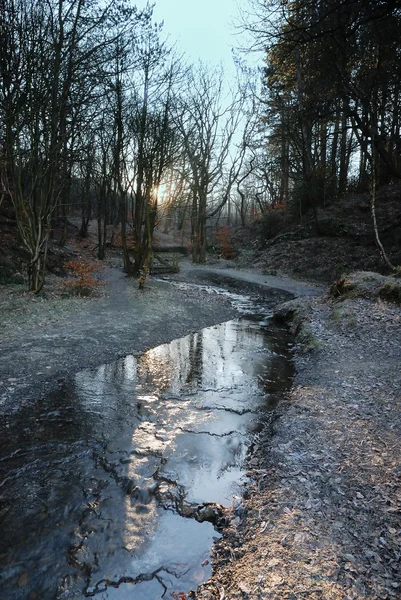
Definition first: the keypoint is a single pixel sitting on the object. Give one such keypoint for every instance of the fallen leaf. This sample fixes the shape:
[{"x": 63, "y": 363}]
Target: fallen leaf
[
  {"x": 245, "y": 588},
  {"x": 273, "y": 562}
]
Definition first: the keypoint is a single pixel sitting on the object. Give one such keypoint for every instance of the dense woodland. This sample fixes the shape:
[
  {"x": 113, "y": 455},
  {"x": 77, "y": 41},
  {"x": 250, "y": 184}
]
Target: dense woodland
[{"x": 100, "y": 116}]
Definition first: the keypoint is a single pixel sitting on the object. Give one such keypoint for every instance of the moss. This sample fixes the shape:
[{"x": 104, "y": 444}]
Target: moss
[
  {"x": 292, "y": 312},
  {"x": 271, "y": 272},
  {"x": 295, "y": 313},
  {"x": 391, "y": 291},
  {"x": 306, "y": 337},
  {"x": 343, "y": 316},
  {"x": 360, "y": 284}
]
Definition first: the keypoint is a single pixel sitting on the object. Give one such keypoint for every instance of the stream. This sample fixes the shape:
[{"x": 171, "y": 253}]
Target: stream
[{"x": 110, "y": 488}]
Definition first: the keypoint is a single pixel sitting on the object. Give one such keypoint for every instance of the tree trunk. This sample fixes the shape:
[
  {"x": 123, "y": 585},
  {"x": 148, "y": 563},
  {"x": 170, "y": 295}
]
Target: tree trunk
[
  {"x": 195, "y": 229},
  {"x": 323, "y": 159},
  {"x": 379, "y": 245},
  {"x": 284, "y": 159},
  {"x": 140, "y": 198},
  {"x": 202, "y": 227},
  {"x": 101, "y": 219},
  {"x": 308, "y": 165},
  {"x": 343, "y": 173},
  {"x": 128, "y": 266},
  {"x": 333, "y": 156}
]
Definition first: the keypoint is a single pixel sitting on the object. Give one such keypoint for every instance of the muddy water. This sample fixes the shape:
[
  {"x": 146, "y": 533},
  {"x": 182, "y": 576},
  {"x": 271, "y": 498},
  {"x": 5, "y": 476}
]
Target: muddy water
[{"x": 105, "y": 485}]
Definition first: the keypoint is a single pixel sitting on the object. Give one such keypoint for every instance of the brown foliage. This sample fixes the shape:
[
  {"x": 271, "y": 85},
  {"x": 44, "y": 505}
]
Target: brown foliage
[
  {"x": 84, "y": 283},
  {"x": 222, "y": 237}
]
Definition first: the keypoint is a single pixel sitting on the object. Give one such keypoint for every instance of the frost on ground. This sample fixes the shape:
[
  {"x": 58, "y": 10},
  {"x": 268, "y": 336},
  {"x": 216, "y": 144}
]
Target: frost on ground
[
  {"x": 322, "y": 519},
  {"x": 48, "y": 338}
]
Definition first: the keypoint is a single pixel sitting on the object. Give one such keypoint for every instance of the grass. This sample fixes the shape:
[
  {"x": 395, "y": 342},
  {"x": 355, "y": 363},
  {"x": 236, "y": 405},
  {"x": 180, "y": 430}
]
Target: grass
[
  {"x": 344, "y": 316},
  {"x": 391, "y": 291},
  {"x": 307, "y": 338},
  {"x": 19, "y": 309}
]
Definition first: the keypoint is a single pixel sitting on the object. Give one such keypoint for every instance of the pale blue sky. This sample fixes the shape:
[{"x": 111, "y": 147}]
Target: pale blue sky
[{"x": 203, "y": 28}]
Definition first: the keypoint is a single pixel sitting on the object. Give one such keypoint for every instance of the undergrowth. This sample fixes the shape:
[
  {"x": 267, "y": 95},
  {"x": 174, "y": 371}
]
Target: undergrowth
[
  {"x": 84, "y": 283},
  {"x": 391, "y": 291},
  {"x": 307, "y": 338},
  {"x": 223, "y": 239}
]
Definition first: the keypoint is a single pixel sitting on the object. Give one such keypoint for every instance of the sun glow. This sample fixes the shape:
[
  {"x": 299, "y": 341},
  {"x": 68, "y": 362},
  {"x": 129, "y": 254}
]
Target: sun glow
[{"x": 164, "y": 192}]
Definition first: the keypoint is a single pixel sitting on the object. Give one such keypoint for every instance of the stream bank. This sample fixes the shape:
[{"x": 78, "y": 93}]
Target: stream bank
[
  {"x": 322, "y": 517},
  {"x": 47, "y": 339},
  {"x": 116, "y": 485}
]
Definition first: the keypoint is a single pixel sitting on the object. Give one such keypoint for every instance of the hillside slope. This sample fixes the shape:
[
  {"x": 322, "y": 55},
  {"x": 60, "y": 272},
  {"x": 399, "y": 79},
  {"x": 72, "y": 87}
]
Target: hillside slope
[{"x": 345, "y": 240}]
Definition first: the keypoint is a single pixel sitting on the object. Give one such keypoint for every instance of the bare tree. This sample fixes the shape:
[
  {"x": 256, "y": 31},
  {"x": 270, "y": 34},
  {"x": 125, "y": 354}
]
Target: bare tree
[
  {"x": 151, "y": 148},
  {"x": 207, "y": 122},
  {"x": 54, "y": 53}
]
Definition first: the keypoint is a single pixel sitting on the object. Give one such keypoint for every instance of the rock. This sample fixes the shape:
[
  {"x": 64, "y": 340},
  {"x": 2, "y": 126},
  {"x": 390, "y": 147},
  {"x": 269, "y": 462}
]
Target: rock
[
  {"x": 289, "y": 310},
  {"x": 245, "y": 588},
  {"x": 207, "y": 514},
  {"x": 128, "y": 485}
]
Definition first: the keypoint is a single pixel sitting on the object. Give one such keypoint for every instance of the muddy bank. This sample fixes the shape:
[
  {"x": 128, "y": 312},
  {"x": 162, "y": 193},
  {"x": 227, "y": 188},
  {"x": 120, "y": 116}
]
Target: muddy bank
[
  {"x": 43, "y": 341},
  {"x": 321, "y": 519},
  {"x": 46, "y": 340}
]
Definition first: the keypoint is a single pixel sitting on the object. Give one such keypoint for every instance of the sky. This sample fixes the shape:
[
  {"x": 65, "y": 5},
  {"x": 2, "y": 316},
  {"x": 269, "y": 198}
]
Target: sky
[{"x": 204, "y": 29}]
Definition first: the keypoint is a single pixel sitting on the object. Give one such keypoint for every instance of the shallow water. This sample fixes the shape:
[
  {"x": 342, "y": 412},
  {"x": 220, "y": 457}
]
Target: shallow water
[{"x": 96, "y": 480}]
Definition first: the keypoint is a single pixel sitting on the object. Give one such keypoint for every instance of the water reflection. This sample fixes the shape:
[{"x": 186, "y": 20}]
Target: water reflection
[{"x": 95, "y": 478}]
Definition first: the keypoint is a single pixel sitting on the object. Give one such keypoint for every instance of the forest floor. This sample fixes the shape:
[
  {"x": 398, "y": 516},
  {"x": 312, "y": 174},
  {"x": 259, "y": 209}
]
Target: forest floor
[
  {"x": 321, "y": 518},
  {"x": 344, "y": 241}
]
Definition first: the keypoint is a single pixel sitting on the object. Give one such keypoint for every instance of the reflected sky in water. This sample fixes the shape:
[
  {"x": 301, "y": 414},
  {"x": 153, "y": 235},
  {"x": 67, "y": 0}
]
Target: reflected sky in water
[{"x": 96, "y": 477}]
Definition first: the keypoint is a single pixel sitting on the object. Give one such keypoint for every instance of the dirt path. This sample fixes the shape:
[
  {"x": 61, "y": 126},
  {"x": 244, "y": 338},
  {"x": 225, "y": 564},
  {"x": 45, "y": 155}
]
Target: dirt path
[{"x": 245, "y": 277}]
